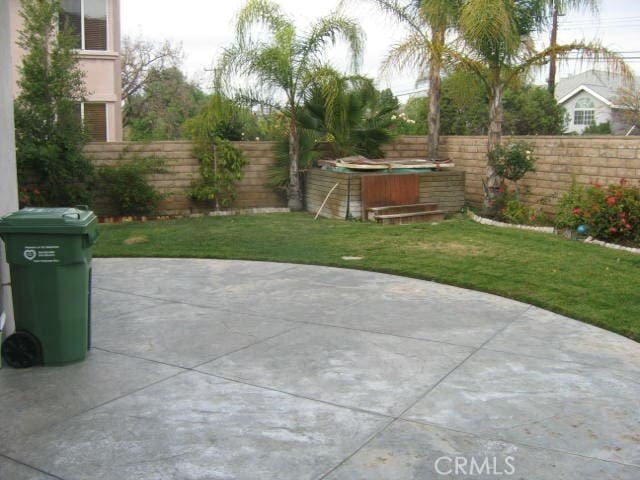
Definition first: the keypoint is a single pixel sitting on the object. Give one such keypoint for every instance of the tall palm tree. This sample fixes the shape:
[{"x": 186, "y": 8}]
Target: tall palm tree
[
  {"x": 555, "y": 9},
  {"x": 428, "y": 22},
  {"x": 287, "y": 64},
  {"x": 499, "y": 49}
]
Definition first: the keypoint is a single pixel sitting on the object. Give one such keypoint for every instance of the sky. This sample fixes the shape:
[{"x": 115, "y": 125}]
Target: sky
[{"x": 205, "y": 27}]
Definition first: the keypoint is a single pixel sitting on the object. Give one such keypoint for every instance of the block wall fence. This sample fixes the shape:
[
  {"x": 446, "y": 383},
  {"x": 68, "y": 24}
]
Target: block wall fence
[
  {"x": 559, "y": 159},
  {"x": 604, "y": 159},
  {"x": 182, "y": 169}
]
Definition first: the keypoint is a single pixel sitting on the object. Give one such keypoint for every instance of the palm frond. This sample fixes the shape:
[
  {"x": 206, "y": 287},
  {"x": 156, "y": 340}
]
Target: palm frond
[{"x": 414, "y": 52}]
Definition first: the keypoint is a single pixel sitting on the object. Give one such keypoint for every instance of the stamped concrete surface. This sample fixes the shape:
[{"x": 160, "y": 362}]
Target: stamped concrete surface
[{"x": 208, "y": 369}]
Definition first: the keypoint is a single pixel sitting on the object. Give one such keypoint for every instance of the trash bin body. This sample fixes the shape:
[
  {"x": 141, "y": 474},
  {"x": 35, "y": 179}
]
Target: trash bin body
[{"x": 49, "y": 255}]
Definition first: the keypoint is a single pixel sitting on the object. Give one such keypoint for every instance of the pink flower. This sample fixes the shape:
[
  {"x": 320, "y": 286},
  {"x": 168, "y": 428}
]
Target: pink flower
[
  {"x": 611, "y": 201},
  {"x": 576, "y": 211},
  {"x": 612, "y": 229},
  {"x": 627, "y": 226}
]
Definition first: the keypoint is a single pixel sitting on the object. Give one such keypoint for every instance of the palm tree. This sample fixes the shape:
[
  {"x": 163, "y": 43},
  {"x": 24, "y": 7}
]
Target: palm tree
[
  {"x": 428, "y": 22},
  {"x": 499, "y": 49},
  {"x": 287, "y": 64},
  {"x": 556, "y": 8}
]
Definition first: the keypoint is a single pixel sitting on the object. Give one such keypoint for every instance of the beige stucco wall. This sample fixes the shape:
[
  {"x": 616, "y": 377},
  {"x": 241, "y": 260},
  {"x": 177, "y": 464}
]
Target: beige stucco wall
[{"x": 102, "y": 68}]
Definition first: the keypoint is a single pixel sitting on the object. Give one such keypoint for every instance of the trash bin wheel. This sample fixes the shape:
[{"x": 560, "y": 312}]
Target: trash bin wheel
[{"x": 22, "y": 350}]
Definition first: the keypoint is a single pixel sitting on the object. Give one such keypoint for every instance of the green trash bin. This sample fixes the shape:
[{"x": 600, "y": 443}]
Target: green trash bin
[{"x": 49, "y": 255}]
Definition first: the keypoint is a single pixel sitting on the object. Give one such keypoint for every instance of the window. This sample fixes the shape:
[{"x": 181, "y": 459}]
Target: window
[
  {"x": 584, "y": 112},
  {"x": 94, "y": 117},
  {"x": 87, "y": 21}
]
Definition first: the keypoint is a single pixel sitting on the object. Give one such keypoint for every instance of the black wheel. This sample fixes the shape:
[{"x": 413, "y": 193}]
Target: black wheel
[{"x": 22, "y": 350}]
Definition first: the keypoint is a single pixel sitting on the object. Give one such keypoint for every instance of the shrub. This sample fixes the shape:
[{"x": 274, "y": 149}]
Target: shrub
[
  {"x": 125, "y": 185},
  {"x": 31, "y": 197},
  {"x": 512, "y": 161},
  {"x": 610, "y": 213},
  {"x": 603, "y": 128},
  {"x": 508, "y": 208}
]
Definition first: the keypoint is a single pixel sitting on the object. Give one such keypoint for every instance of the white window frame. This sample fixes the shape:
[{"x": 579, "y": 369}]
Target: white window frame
[
  {"x": 586, "y": 108},
  {"x": 82, "y": 30}
]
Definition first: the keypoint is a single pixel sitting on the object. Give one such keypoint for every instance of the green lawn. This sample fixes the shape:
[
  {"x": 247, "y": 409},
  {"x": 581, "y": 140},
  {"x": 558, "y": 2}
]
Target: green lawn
[{"x": 587, "y": 282}]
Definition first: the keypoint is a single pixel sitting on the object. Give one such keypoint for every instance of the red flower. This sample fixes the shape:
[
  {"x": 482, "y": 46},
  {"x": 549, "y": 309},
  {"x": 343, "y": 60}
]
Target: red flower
[
  {"x": 576, "y": 211},
  {"x": 612, "y": 229},
  {"x": 627, "y": 226},
  {"x": 597, "y": 185},
  {"x": 36, "y": 191},
  {"x": 611, "y": 201}
]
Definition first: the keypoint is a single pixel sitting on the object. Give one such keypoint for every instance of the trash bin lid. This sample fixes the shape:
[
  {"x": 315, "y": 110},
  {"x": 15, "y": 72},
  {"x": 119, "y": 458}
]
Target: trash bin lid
[{"x": 48, "y": 220}]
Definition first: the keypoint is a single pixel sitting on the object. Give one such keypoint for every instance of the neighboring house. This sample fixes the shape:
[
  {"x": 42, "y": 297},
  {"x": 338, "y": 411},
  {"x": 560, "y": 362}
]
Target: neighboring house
[
  {"x": 96, "y": 24},
  {"x": 590, "y": 99}
]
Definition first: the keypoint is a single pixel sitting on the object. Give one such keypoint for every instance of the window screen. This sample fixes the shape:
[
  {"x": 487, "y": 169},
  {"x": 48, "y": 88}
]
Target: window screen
[
  {"x": 87, "y": 21},
  {"x": 71, "y": 20},
  {"x": 95, "y": 121},
  {"x": 95, "y": 25}
]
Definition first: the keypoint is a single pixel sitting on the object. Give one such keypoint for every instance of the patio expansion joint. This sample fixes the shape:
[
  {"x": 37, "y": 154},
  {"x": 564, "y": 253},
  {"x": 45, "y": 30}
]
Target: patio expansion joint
[
  {"x": 297, "y": 395},
  {"x": 399, "y": 416},
  {"x": 382, "y": 332},
  {"x": 628, "y": 374},
  {"x": 44, "y": 472},
  {"x": 194, "y": 367},
  {"x": 460, "y": 364},
  {"x": 112, "y": 400},
  {"x": 515, "y": 442},
  {"x": 169, "y": 301}
]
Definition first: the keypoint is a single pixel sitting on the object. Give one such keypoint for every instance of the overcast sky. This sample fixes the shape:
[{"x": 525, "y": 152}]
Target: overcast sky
[{"x": 204, "y": 27}]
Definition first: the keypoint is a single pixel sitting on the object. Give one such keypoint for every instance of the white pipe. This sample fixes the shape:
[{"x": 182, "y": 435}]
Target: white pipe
[{"x": 325, "y": 200}]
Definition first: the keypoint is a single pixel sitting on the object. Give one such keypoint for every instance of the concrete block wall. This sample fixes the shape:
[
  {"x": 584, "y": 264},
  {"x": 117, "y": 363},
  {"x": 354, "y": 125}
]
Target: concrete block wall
[
  {"x": 559, "y": 159},
  {"x": 603, "y": 159},
  {"x": 182, "y": 170}
]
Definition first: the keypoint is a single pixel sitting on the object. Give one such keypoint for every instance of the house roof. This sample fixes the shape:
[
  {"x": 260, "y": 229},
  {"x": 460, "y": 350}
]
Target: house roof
[{"x": 602, "y": 85}]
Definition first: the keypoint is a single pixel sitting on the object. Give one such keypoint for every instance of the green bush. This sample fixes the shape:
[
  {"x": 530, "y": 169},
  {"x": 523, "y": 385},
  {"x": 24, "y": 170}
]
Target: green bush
[
  {"x": 603, "y": 128},
  {"x": 509, "y": 208},
  {"x": 512, "y": 161},
  {"x": 610, "y": 213},
  {"x": 125, "y": 185}
]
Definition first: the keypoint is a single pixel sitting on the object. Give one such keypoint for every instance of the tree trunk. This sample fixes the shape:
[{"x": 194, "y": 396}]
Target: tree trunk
[
  {"x": 294, "y": 193},
  {"x": 435, "y": 82},
  {"x": 551, "y": 82},
  {"x": 492, "y": 184}
]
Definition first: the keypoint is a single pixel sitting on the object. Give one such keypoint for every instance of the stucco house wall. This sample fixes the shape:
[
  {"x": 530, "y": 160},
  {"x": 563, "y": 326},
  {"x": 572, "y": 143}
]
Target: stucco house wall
[
  {"x": 102, "y": 67},
  {"x": 8, "y": 176},
  {"x": 602, "y": 111}
]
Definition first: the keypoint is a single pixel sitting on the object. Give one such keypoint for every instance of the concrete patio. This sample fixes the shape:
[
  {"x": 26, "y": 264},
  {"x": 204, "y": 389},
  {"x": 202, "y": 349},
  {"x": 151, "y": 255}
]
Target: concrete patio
[{"x": 208, "y": 369}]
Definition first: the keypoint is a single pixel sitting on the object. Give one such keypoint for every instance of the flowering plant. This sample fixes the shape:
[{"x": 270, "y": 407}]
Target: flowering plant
[
  {"x": 31, "y": 197},
  {"x": 609, "y": 213}
]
